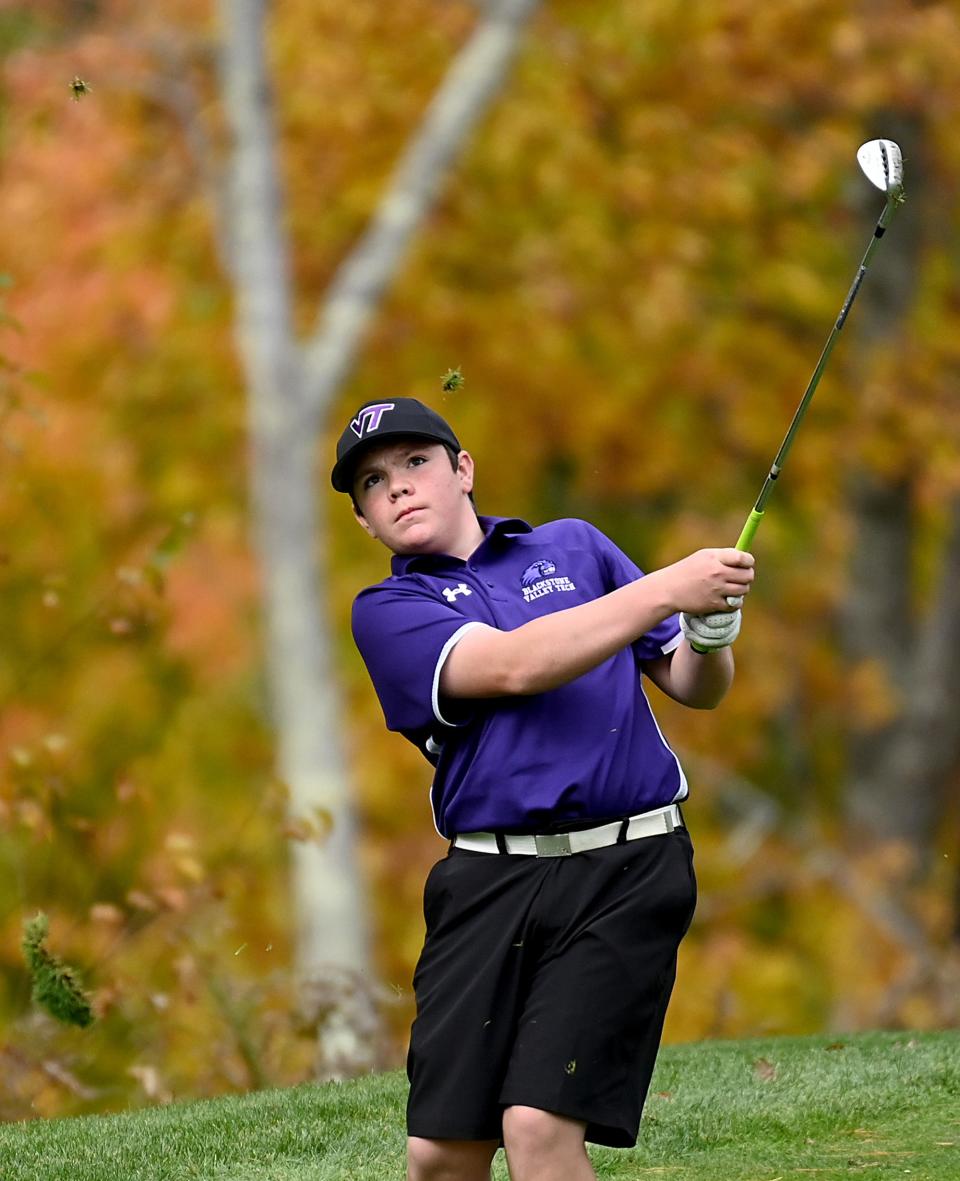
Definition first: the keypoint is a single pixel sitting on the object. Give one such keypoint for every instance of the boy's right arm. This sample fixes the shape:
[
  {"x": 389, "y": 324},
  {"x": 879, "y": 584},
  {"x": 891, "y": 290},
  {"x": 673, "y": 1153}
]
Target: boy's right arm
[{"x": 554, "y": 649}]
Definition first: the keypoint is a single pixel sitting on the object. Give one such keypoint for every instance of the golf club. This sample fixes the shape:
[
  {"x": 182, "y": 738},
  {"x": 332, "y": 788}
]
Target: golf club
[{"x": 882, "y": 163}]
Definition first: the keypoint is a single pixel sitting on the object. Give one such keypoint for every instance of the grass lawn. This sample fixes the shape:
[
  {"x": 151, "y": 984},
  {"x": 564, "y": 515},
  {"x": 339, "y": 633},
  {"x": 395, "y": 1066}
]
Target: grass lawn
[{"x": 876, "y": 1106}]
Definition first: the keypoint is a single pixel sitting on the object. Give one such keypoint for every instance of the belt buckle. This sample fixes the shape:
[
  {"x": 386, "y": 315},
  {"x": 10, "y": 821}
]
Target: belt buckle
[{"x": 556, "y": 844}]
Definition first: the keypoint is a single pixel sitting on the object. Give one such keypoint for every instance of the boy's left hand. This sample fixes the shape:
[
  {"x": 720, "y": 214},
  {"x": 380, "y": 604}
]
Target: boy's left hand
[{"x": 709, "y": 633}]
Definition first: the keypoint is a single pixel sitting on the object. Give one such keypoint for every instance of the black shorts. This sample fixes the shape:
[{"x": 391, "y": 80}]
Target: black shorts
[{"x": 545, "y": 982}]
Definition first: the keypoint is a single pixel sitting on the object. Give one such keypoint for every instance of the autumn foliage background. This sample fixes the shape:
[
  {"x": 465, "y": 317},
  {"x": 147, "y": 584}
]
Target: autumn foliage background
[{"x": 635, "y": 265}]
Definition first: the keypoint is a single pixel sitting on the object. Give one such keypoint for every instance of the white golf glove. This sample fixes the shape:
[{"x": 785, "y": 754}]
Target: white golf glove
[{"x": 709, "y": 633}]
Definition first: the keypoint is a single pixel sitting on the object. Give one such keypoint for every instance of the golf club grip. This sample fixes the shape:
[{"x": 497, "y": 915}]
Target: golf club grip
[
  {"x": 743, "y": 544},
  {"x": 749, "y": 529}
]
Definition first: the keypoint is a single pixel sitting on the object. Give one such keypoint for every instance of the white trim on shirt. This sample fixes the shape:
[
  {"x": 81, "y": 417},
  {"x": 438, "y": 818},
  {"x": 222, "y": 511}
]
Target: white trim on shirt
[
  {"x": 448, "y": 647},
  {"x": 684, "y": 789}
]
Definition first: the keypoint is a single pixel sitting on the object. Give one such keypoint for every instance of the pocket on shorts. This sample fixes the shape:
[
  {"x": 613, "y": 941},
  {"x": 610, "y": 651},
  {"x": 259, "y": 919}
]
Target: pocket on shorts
[
  {"x": 684, "y": 837},
  {"x": 435, "y": 894}
]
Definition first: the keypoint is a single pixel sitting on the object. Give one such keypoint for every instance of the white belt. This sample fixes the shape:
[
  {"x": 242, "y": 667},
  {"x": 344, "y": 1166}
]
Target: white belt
[{"x": 562, "y": 844}]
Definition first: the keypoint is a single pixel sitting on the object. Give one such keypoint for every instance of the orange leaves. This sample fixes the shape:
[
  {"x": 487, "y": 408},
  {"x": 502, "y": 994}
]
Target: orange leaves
[
  {"x": 805, "y": 933},
  {"x": 636, "y": 264},
  {"x": 182, "y": 848},
  {"x": 316, "y": 826},
  {"x": 873, "y": 699},
  {"x": 210, "y": 589},
  {"x": 107, "y": 914}
]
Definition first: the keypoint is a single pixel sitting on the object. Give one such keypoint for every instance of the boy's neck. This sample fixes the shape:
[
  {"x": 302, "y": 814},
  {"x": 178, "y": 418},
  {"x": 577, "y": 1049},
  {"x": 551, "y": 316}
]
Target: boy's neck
[{"x": 470, "y": 538}]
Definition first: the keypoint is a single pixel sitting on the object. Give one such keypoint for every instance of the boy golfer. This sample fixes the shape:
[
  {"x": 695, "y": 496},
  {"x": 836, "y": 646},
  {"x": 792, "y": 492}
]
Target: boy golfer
[{"x": 513, "y": 658}]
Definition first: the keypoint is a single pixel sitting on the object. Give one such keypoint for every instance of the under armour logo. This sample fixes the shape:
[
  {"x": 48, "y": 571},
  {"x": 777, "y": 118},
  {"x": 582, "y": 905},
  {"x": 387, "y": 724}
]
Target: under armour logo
[
  {"x": 369, "y": 418},
  {"x": 450, "y": 592}
]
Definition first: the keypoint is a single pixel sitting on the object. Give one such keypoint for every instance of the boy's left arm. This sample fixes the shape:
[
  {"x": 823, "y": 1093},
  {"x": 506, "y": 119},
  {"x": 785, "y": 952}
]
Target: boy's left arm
[{"x": 699, "y": 681}]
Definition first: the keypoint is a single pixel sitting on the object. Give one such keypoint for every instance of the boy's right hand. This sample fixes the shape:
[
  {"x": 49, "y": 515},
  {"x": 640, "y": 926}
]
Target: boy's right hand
[{"x": 701, "y": 583}]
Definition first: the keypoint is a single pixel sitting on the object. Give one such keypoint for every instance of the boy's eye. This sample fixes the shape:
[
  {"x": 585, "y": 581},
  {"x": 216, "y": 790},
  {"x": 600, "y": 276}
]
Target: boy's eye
[{"x": 372, "y": 478}]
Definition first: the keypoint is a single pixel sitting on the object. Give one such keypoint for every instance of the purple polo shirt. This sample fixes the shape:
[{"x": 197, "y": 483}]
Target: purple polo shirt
[{"x": 588, "y": 750}]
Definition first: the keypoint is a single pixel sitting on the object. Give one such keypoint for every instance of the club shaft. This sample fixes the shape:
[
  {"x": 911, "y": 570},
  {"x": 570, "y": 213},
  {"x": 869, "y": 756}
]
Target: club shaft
[{"x": 756, "y": 513}]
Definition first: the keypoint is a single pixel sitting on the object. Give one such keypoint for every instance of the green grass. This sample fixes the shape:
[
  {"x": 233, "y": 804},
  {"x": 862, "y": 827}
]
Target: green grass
[{"x": 789, "y": 1109}]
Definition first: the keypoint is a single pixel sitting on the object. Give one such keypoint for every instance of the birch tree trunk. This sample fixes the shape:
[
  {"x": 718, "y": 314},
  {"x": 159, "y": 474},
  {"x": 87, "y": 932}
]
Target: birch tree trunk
[{"x": 291, "y": 386}]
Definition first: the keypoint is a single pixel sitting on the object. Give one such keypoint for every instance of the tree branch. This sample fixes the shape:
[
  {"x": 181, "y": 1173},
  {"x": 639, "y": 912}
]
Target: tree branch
[
  {"x": 471, "y": 82},
  {"x": 260, "y": 251}
]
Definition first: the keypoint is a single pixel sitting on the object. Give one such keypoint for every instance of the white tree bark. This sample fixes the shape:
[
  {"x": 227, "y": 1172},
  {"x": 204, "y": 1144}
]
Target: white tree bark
[{"x": 290, "y": 387}]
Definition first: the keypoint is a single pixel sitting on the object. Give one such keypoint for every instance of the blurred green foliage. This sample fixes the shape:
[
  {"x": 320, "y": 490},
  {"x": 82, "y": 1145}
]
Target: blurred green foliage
[{"x": 55, "y": 985}]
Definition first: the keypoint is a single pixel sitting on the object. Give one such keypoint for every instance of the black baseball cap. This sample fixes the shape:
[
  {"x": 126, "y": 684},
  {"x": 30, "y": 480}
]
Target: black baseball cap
[{"x": 376, "y": 422}]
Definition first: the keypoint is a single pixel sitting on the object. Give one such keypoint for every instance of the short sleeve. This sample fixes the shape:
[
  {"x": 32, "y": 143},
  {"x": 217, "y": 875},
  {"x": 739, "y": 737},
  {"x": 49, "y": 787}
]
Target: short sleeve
[
  {"x": 621, "y": 571},
  {"x": 404, "y": 636}
]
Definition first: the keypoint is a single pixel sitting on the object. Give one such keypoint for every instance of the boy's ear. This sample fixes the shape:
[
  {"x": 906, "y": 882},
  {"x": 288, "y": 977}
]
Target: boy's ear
[
  {"x": 465, "y": 470},
  {"x": 363, "y": 522}
]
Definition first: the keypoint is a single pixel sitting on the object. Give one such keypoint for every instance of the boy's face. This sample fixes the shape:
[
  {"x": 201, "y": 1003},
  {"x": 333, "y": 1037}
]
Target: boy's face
[{"x": 412, "y": 500}]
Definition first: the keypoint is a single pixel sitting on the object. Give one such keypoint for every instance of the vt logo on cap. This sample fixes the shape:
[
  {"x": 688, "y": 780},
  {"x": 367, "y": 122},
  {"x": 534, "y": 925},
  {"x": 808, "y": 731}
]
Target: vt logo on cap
[
  {"x": 369, "y": 418},
  {"x": 376, "y": 422}
]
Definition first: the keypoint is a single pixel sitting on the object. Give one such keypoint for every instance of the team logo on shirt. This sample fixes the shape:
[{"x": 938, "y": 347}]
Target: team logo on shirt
[
  {"x": 537, "y": 580},
  {"x": 537, "y": 570}
]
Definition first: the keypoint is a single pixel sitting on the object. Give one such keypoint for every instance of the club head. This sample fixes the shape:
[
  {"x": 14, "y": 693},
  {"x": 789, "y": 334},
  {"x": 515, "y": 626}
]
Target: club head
[{"x": 882, "y": 164}]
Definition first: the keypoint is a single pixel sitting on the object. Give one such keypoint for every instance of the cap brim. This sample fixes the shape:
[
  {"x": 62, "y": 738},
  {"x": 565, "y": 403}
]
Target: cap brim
[{"x": 342, "y": 475}]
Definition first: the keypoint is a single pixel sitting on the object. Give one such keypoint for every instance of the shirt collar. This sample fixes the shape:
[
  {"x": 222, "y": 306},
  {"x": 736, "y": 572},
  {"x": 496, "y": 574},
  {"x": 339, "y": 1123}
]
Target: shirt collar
[{"x": 493, "y": 528}]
